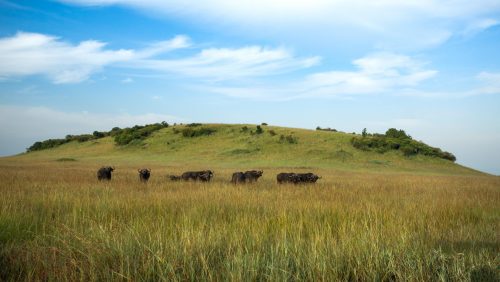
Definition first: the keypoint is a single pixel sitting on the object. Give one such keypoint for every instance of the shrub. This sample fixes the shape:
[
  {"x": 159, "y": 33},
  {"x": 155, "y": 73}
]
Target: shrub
[
  {"x": 189, "y": 132},
  {"x": 288, "y": 139},
  {"x": 244, "y": 129},
  {"x": 394, "y": 133},
  {"x": 137, "y": 133},
  {"x": 398, "y": 140},
  {"x": 259, "y": 130},
  {"x": 264, "y": 124},
  {"x": 193, "y": 124},
  {"x": 272, "y": 132},
  {"x": 326, "y": 129},
  {"x": 98, "y": 134}
]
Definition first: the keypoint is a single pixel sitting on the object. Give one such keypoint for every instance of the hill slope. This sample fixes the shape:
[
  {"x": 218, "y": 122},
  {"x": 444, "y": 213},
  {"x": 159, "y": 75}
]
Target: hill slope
[{"x": 233, "y": 147}]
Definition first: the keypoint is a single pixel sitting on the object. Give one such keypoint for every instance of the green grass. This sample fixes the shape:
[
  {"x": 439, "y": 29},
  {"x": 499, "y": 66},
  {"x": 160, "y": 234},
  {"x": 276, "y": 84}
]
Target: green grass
[
  {"x": 371, "y": 217},
  {"x": 58, "y": 223}
]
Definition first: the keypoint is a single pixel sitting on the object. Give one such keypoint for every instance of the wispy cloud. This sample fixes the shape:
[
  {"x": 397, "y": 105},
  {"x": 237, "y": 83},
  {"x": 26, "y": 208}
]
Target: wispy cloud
[
  {"x": 378, "y": 73},
  {"x": 225, "y": 63},
  {"x": 386, "y": 23},
  {"x": 487, "y": 83},
  {"x": 39, "y": 54}
]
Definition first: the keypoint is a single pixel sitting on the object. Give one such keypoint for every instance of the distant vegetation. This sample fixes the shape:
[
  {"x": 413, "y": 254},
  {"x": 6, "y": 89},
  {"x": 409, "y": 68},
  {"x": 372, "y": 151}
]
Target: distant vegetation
[
  {"x": 203, "y": 131},
  {"x": 326, "y": 129},
  {"x": 122, "y": 136},
  {"x": 394, "y": 139},
  {"x": 127, "y": 135}
]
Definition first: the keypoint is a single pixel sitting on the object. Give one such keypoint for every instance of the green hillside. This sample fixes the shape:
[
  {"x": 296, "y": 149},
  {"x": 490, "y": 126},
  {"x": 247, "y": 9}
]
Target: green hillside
[{"x": 243, "y": 146}]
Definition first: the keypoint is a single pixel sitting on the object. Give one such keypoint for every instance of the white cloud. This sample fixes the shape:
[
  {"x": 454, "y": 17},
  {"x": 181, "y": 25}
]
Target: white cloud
[
  {"x": 21, "y": 126},
  {"x": 225, "y": 63},
  {"x": 487, "y": 84},
  {"x": 34, "y": 54},
  {"x": 127, "y": 80},
  {"x": 410, "y": 23},
  {"x": 379, "y": 73},
  {"x": 479, "y": 25}
]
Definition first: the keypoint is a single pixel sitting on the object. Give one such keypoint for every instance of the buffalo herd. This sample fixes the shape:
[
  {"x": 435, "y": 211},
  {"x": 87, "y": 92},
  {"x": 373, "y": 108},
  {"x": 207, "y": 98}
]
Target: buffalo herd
[{"x": 104, "y": 173}]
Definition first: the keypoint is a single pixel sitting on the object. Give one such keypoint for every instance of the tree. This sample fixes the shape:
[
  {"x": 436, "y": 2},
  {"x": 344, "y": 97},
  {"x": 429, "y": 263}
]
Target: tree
[{"x": 364, "y": 133}]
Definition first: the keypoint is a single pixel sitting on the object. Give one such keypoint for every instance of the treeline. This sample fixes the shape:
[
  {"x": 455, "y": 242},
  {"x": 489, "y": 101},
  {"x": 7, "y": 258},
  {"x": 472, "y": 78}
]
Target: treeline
[
  {"x": 121, "y": 136},
  {"x": 394, "y": 139}
]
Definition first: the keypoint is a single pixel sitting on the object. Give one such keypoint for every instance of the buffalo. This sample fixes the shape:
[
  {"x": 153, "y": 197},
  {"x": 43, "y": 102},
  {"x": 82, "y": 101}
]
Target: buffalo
[
  {"x": 238, "y": 177},
  {"x": 247, "y": 176},
  {"x": 296, "y": 178},
  {"x": 144, "y": 174},
  {"x": 253, "y": 175},
  {"x": 204, "y": 175},
  {"x": 104, "y": 173},
  {"x": 308, "y": 177},
  {"x": 174, "y": 177}
]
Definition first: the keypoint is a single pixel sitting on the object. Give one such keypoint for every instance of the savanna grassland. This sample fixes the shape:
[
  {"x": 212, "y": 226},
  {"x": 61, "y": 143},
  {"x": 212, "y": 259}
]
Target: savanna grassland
[{"x": 372, "y": 217}]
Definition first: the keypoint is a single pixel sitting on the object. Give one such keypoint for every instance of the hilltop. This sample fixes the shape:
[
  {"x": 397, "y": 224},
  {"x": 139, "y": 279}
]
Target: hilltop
[{"x": 240, "y": 146}]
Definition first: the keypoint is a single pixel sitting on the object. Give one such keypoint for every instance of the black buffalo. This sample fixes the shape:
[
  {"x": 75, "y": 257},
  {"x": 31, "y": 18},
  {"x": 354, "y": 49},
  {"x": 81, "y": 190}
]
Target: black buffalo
[
  {"x": 247, "y": 176},
  {"x": 308, "y": 177},
  {"x": 296, "y": 178},
  {"x": 104, "y": 173},
  {"x": 144, "y": 174},
  {"x": 174, "y": 177},
  {"x": 287, "y": 177},
  {"x": 204, "y": 175},
  {"x": 253, "y": 175},
  {"x": 238, "y": 177}
]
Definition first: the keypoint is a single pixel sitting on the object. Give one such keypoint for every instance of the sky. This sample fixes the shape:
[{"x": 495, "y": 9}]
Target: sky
[{"x": 430, "y": 67}]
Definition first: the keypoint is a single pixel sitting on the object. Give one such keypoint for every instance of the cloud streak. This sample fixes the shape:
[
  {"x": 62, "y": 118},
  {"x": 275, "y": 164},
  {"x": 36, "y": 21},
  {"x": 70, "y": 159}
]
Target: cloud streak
[
  {"x": 38, "y": 54},
  {"x": 27, "y": 54},
  {"x": 378, "y": 73}
]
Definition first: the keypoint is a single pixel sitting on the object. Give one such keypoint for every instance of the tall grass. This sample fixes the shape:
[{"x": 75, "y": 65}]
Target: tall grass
[{"x": 58, "y": 223}]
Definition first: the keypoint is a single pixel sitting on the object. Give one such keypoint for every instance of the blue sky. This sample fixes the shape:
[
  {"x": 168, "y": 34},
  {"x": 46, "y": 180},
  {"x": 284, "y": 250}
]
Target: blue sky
[{"x": 429, "y": 67}]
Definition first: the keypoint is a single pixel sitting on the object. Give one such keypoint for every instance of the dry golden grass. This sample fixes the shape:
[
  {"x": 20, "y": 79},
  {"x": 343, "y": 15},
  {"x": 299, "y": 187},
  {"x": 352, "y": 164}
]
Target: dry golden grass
[{"x": 58, "y": 223}]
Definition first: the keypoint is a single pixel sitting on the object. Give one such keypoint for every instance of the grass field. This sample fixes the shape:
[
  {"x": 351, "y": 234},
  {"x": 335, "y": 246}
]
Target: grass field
[
  {"x": 372, "y": 217},
  {"x": 58, "y": 223}
]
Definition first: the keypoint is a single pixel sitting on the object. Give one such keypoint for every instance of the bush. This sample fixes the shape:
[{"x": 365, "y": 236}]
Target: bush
[
  {"x": 394, "y": 133},
  {"x": 272, "y": 132},
  {"x": 98, "y": 134},
  {"x": 193, "y": 124},
  {"x": 259, "y": 130},
  {"x": 288, "y": 139},
  {"x": 264, "y": 124},
  {"x": 47, "y": 144},
  {"x": 189, "y": 132},
  {"x": 137, "y": 133},
  {"x": 244, "y": 129},
  {"x": 326, "y": 129},
  {"x": 398, "y": 140}
]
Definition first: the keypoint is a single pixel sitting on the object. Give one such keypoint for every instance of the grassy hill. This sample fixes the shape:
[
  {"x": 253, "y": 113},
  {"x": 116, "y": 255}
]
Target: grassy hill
[{"x": 233, "y": 146}]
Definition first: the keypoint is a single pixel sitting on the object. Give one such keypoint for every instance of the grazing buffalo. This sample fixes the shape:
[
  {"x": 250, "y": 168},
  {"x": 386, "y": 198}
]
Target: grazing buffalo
[
  {"x": 104, "y": 173},
  {"x": 238, "y": 177},
  {"x": 296, "y": 178},
  {"x": 144, "y": 174},
  {"x": 174, "y": 177},
  {"x": 286, "y": 177},
  {"x": 308, "y": 177},
  {"x": 253, "y": 175},
  {"x": 204, "y": 175},
  {"x": 247, "y": 176}
]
